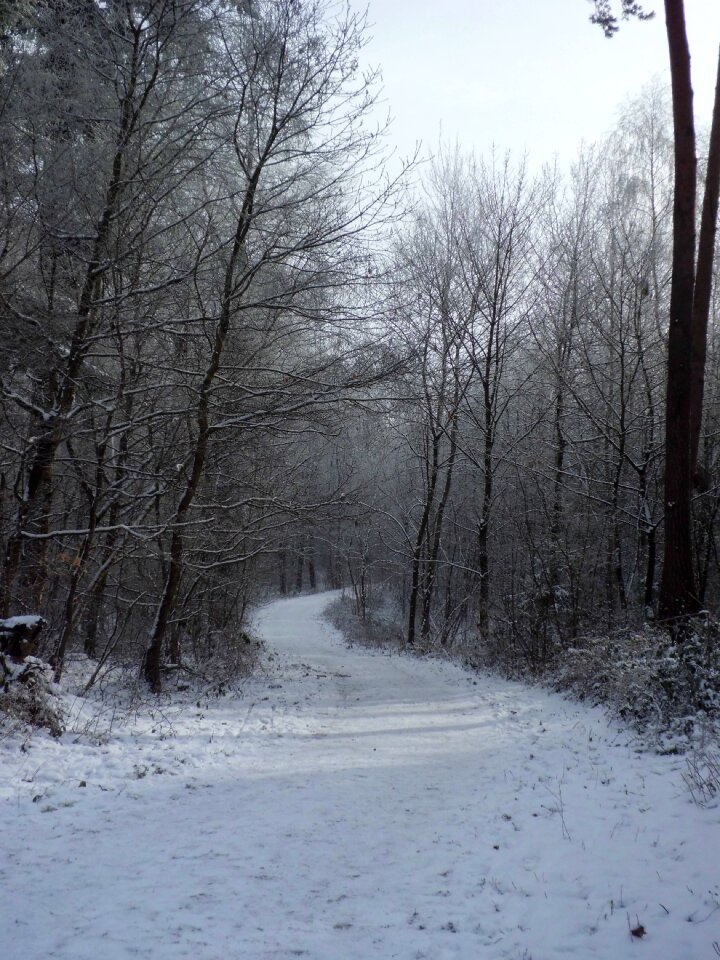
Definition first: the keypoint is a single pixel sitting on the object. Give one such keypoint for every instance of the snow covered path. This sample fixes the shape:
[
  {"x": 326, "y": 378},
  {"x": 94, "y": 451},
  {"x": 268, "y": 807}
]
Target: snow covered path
[{"x": 352, "y": 806}]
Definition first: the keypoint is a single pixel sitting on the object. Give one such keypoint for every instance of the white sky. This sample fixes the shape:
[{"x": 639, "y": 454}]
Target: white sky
[{"x": 529, "y": 75}]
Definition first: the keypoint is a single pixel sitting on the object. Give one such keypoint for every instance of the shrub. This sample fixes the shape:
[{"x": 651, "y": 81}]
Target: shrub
[
  {"x": 28, "y": 696},
  {"x": 650, "y": 678}
]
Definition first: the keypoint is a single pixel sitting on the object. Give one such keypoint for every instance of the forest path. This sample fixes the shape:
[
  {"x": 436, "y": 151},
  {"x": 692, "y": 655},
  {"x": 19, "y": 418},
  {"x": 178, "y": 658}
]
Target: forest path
[{"x": 356, "y": 805}]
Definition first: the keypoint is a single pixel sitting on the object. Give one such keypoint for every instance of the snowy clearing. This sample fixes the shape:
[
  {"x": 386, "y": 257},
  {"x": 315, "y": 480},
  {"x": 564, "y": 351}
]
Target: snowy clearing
[{"x": 355, "y": 805}]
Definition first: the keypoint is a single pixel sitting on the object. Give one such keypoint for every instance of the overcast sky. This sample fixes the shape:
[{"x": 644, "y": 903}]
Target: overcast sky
[{"x": 529, "y": 75}]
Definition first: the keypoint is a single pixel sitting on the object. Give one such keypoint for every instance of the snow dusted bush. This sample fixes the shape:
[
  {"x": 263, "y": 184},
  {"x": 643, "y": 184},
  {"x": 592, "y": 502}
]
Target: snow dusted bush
[
  {"x": 219, "y": 658},
  {"x": 28, "y": 696},
  {"x": 379, "y": 628},
  {"x": 649, "y": 678}
]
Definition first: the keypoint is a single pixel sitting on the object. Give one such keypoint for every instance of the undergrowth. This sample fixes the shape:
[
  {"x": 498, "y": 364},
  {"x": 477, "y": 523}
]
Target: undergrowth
[
  {"x": 28, "y": 697},
  {"x": 656, "y": 683},
  {"x": 96, "y": 697},
  {"x": 378, "y": 630}
]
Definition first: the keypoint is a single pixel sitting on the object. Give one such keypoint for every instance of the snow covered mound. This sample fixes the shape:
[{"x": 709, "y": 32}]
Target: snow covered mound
[{"x": 355, "y": 805}]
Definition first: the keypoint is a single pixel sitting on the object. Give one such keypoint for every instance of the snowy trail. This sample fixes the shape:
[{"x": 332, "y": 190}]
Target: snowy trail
[{"x": 356, "y": 805}]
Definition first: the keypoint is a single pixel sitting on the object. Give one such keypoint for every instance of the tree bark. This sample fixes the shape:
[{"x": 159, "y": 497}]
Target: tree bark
[
  {"x": 703, "y": 285},
  {"x": 434, "y": 554},
  {"x": 678, "y": 593}
]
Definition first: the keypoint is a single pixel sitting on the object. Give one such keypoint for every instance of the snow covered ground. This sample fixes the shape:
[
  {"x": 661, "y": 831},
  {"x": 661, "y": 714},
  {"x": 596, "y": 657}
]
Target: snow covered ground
[{"x": 355, "y": 805}]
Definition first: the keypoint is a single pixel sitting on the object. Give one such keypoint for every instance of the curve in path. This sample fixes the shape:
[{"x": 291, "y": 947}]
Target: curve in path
[
  {"x": 356, "y": 805},
  {"x": 450, "y": 815}
]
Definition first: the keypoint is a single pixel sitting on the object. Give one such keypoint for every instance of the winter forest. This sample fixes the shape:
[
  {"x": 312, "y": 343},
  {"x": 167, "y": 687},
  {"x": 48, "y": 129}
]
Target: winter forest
[
  {"x": 237, "y": 359},
  {"x": 248, "y": 354}
]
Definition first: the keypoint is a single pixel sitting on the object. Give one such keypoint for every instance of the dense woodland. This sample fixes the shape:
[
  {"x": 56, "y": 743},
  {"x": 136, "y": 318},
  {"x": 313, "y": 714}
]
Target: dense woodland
[{"x": 238, "y": 358}]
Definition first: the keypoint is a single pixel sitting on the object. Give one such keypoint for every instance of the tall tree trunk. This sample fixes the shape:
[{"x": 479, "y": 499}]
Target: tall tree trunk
[
  {"x": 484, "y": 524},
  {"x": 678, "y": 593},
  {"x": 434, "y": 552},
  {"x": 484, "y": 572},
  {"x": 153, "y": 655},
  {"x": 282, "y": 572},
  {"x": 299, "y": 571},
  {"x": 312, "y": 576},
  {"x": 703, "y": 286},
  {"x": 419, "y": 540}
]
